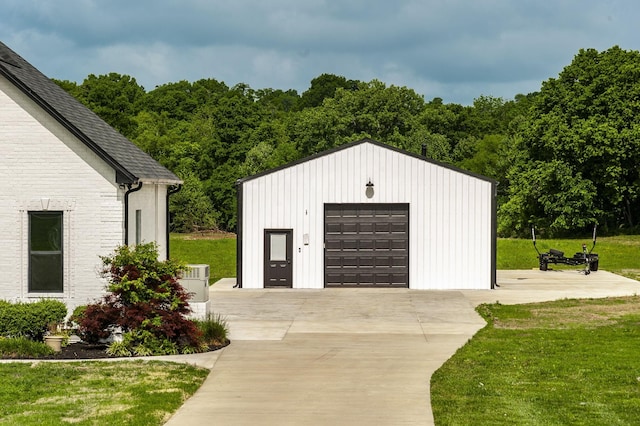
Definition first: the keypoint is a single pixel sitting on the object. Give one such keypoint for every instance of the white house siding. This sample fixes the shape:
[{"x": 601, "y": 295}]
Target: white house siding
[
  {"x": 151, "y": 201},
  {"x": 450, "y": 215},
  {"x": 42, "y": 161}
]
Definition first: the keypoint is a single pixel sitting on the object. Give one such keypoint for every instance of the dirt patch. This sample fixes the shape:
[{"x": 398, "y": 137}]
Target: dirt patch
[
  {"x": 584, "y": 313},
  {"x": 207, "y": 235}
]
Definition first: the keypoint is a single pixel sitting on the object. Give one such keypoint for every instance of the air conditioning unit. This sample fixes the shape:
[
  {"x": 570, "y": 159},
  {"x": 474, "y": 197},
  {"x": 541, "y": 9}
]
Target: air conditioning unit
[{"x": 195, "y": 280}]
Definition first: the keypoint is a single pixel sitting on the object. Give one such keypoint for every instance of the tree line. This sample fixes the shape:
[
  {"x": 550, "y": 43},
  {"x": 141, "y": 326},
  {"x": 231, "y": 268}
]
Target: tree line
[{"x": 566, "y": 157}]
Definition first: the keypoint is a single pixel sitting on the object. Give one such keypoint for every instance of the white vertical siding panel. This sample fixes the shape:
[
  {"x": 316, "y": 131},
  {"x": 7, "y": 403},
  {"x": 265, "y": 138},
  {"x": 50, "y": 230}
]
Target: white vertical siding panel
[
  {"x": 319, "y": 188},
  {"x": 415, "y": 227},
  {"x": 349, "y": 190},
  {"x": 457, "y": 230},
  {"x": 302, "y": 197},
  {"x": 467, "y": 231},
  {"x": 321, "y": 173},
  {"x": 396, "y": 177},
  {"x": 369, "y": 167},
  {"x": 440, "y": 226}
]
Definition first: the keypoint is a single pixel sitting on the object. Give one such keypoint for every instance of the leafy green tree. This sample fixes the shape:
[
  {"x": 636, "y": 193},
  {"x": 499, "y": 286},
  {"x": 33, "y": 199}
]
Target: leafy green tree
[
  {"x": 551, "y": 196},
  {"x": 488, "y": 157},
  {"x": 181, "y": 100},
  {"x": 115, "y": 98},
  {"x": 586, "y": 124},
  {"x": 437, "y": 146},
  {"x": 220, "y": 188},
  {"x": 191, "y": 209},
  {"x": 70, "y": 87},
  {"x": 277, "y": 103},
  {"x": 271, "y": 148},
  {"x": 323, "y": 87},
  {"x": 373, "y": 110}
]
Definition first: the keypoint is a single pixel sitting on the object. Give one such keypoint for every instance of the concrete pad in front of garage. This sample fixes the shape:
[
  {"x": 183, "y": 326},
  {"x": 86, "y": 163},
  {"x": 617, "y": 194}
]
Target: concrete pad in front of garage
[
  {"x": 354, "y": 356},
  {"x": 527, "y": 286}
]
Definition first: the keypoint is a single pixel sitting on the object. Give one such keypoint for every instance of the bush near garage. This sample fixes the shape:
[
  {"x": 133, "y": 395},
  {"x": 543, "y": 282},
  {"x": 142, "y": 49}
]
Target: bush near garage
[
  {"x": 30, "y": 320},
  {"x": 145, "y": 302}
]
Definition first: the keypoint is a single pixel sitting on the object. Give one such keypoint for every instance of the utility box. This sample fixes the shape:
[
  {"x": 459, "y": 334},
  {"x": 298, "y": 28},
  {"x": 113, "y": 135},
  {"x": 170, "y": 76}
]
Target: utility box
[{"x": 195, "y": 281}]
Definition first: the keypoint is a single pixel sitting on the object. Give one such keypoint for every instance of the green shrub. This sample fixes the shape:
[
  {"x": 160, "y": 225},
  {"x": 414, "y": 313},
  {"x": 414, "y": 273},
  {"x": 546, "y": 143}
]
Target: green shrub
[
  {"x": 145, "y": 301},
  {"x": 30, "y": 320},
  {"x": 214, "y": 329},
  {"x": 76, "y": 315},
  {"x": 22, "y": 347},
  {"x": 120, "y": 349}
]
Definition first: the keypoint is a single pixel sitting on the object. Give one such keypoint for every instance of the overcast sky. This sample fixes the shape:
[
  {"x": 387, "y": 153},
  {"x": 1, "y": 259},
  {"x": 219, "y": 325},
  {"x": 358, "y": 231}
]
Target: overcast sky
[{"x": 453, "y": 49}]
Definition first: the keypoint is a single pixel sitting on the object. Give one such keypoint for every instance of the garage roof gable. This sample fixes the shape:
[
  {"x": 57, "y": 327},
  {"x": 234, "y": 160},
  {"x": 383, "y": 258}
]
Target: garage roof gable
[{"x": 359, "y": 142}]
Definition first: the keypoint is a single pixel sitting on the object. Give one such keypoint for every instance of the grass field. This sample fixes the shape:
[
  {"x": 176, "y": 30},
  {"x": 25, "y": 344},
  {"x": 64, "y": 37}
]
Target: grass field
[
  {"x": 557, "y": 363},
  {"x": 94, "y": 393},
  {"x": 216, "y": 250},
  {"x": 620, "y": 255}
]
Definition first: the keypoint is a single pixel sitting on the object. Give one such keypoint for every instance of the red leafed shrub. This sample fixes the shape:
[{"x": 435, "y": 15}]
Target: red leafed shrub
[{"x": 145, "y": 301}]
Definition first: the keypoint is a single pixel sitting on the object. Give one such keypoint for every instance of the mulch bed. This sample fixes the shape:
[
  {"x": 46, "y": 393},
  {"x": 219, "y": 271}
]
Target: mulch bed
[{"x": 87, "y": 351}]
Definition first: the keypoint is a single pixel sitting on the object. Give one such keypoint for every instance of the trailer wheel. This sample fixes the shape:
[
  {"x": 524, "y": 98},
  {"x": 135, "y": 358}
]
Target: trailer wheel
[
  {"x": 544, "y": 265},
  {"x": 593, "y": 265}
]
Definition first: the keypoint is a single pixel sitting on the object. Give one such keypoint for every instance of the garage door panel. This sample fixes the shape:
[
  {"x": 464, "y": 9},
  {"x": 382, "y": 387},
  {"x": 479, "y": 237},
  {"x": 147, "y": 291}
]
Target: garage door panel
[
  {"x": 383, "y": 261},
  {"x": 397, "y": 228},
  {"x": 383, "y": 245},
  {"x": 398, "y": 261},
  {"x": 333, "y": 261},
  {"x": 366, "y": 261},
  {"x": 366, "y": 245},
  {"x": 366, "y": 228},
  {"x": 333, "y": 228},
  {"x": 398, "y": 244}
]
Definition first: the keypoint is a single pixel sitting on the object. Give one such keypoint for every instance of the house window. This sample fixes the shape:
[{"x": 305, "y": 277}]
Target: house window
[
  {"x": 45, "y": 252},
  {"x": 138, "y": 226}
]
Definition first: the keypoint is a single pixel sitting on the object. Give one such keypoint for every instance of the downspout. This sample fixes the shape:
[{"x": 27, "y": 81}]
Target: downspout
[
  {"x": 170, "y": 191},
  {"x": 238, "y": 235},
  {"x": 126, "y": 210}
]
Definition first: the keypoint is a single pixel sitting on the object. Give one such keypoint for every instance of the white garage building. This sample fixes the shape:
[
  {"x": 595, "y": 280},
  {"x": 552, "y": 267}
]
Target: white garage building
[{"x": 367, "y": 215}]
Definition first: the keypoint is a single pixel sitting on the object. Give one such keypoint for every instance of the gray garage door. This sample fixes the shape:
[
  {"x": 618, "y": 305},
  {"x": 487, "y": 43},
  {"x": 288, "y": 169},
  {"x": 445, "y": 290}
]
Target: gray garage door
[{"x": 366, "y": 245}]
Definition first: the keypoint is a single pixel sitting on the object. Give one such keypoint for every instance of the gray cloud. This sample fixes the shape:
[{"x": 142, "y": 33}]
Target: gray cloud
[{"x": 456, "y": 50}]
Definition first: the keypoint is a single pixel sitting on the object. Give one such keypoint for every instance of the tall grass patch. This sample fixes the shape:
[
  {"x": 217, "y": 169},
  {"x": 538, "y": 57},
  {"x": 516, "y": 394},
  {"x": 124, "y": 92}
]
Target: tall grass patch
[{"x": 214, "y": 328}]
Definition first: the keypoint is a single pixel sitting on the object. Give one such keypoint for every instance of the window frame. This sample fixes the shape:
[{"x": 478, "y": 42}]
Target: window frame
[{"x": 40, "y": 253}]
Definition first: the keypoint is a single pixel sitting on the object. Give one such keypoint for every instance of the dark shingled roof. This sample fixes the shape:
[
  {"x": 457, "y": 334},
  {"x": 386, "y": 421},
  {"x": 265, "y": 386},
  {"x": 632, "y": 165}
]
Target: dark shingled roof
[{"x": 130, "y": 162}]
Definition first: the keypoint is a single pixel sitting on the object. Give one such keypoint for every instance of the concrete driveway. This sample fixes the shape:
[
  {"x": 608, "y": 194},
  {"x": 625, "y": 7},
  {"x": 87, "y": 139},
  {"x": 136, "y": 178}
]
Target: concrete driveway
[{"x": 353, "y": 356}]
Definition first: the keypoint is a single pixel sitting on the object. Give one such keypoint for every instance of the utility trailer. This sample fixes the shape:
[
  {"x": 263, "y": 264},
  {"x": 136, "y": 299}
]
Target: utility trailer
[{"x": 587, "y": 258}]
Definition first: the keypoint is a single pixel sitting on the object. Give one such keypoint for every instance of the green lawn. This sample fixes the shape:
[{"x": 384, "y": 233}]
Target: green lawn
[
  {"x": 218, "y": 253},
  {"x": 95, "y": 393},
  {"x": 566, "y": 362}
]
